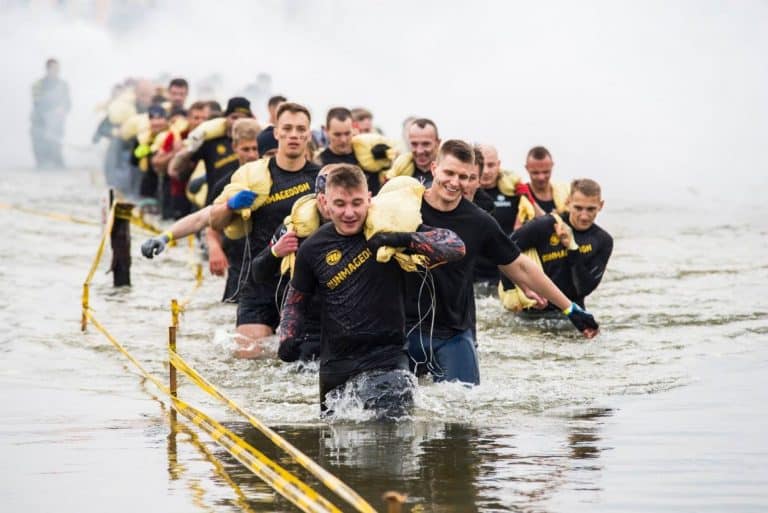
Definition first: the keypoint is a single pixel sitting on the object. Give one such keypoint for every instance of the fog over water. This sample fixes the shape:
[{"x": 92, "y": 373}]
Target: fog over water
[
  {"x": 664, "y": 103},
  {"x": 625, "y": 92}
]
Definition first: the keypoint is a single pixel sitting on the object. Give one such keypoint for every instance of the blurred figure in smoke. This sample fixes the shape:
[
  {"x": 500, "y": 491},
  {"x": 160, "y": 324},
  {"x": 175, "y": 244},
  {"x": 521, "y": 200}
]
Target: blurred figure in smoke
[{"x": 50, "y": 105}]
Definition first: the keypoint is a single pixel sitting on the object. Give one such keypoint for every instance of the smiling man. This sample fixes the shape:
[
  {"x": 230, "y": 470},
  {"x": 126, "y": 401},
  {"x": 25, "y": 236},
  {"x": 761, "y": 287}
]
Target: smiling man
[
  {"x": 362, "y": 319},
  {"x": 447, "y": 347},
  {"x": 292, "y": 177},
  {"x": 575, "y": 252}
]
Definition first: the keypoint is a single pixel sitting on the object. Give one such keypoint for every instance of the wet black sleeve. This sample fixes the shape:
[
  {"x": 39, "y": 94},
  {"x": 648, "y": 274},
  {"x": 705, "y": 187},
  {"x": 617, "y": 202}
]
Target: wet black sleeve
[
  {"x": 265, "y": 265},
  {"x": 586, "y": 276},
  {"x": 439, "y": 245},
  {"x": 496, "y": 246},
  {"x": 291, "y": 325},
  {"x": 304, "y": 279},
  {"x": 534, "y": 232}
]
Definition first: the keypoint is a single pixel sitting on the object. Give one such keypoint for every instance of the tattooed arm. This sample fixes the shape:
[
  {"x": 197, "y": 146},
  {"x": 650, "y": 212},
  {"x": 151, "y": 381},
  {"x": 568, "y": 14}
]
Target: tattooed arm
[
  {"x": 291, "y": 324},
  {"x": 438, "y": 244}
]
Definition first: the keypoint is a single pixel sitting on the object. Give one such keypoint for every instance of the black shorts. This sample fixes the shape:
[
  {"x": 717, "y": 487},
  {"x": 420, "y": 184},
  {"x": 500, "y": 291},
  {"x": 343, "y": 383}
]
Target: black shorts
[{"x": 257, "y": 305}]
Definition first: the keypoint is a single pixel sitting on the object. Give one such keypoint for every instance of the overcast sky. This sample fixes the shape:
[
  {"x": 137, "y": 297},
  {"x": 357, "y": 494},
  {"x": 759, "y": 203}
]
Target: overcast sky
[{"x": 634, "y": 94}]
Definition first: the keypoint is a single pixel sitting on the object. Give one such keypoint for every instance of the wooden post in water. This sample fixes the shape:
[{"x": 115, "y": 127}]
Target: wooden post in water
[
  {"x": 394, "y": 501},
  {"x": 172, "y": 345},
  {"x": 120, "y": 238}
]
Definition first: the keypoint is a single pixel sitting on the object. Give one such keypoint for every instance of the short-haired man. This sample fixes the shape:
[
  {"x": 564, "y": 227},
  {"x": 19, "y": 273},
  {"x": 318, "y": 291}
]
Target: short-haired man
[
  {"x": 362, "y": 318},
  {"x": 272, "y": 104},
  {"x": 292, "y": 176},
  {"x": 424, "y": 141},
  {"x": 449, "y": 347},
  {"x": 504, "y": 209},
  {"x": 339, "y": 129},
  {"x": 574, "y": 253},
  {"x": 362, "y": 120},
  {"x": 178, "y": 89},
  {"x": 540, "y": 196}
]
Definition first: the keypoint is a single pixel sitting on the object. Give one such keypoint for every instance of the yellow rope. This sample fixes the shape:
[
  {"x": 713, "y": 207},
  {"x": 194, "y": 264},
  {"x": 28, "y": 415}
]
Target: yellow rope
[
  {"x": 282, "y": 481},
  {"x": 328, "y": 479}
]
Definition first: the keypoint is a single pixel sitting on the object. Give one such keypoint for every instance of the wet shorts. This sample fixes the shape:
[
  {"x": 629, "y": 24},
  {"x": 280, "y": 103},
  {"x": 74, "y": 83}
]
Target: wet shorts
[
  {"x": 450, "y": 359},
  {"x": 256, "y": 305},
  {"x": 389, "y": 392}
]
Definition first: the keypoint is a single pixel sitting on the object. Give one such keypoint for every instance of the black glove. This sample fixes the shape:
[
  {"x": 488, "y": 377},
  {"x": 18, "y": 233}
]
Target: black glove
[
  {"x": 581, "y": 318},
  {"x": 391, "y": 239},
  {"x": 154, "y": 246},
  {"x": 379, "y": 151},
  {"x": 289, "y": 350},
  {"x": 196, "y": 184}
]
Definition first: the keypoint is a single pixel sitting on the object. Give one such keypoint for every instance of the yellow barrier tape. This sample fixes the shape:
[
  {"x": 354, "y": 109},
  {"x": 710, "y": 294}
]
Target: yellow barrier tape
[
  {"x": 139, "y": 221},
  {"x": 328, "y": 479},
  {"x": 242, "y": 500},
  {"x": 102, "y": 243},
  {"x": 50, "y": 215},
  {"x": 282, "y": 481}
]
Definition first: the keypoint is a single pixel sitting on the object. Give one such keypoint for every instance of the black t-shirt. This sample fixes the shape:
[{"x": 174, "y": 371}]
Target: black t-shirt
[
  {"x": 505, "y": 212},
  {"x": 484, "y": 201},
  {"x": 287, "y": 187},
  {"x": 328, "y": 157},
  {"x": 576, "y": 273},
  {"x": 547, "y": 206},
  {"x": 362, "y": 313},
  {"x": 455, "y": 300},
  {"x": 219, "y": 159},
  {"x": 425, "y": 177}
]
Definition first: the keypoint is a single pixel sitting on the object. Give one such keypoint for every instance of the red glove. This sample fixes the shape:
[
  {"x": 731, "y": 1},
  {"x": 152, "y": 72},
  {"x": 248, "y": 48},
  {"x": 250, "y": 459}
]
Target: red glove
[
  {"x": 522, "y": 189},
  {"x": 168, "y": 143}
]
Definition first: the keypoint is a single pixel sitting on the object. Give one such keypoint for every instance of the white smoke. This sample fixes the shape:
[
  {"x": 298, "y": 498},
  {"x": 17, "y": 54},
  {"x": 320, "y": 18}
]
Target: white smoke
[{"x": 645, "y": 97}]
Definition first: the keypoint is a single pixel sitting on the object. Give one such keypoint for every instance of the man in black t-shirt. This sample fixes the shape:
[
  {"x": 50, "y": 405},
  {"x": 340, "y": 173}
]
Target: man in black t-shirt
[
  {"x": 362, "y": 318},
  {"x": 292, "y": 177},
  {"x": 505, "y": 205},
  {"x": 339, "y": 130},
  {"x": 216, "y": 153},
  {"x": 448, "y": 351},
  {"x": 574, "y": 254}
]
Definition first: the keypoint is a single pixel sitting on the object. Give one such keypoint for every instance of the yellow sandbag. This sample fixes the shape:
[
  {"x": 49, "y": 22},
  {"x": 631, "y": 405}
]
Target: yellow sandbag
[
  {"x": 508, "y": 180},
  {"x": 362, "y": 145},
  {"x": 560, "y": 192},
  {"x": 198, "y": 198},
  {"x": 304, "y": 219},
  {"x": 205, "y": 131},
  {"x": 396, "y": 208},
  {"x": 122, "y": 107},
  {"x": 177, "y": 128},
  {"x": 253, "y": 176},
  {"x": 515, "y": 299},
  {"x": 402, "y": 166},
  {"x": 134, "y": 125}
]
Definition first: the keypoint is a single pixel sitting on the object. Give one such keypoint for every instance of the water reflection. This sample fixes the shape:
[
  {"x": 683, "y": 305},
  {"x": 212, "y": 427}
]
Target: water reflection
[{"x": 442, "y": 467}]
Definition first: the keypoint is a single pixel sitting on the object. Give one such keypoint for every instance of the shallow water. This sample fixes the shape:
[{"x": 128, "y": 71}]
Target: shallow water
[{"x": 664, "y": 411}]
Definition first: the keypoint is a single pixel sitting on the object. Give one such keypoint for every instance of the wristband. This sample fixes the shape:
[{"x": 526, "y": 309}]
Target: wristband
[
  {"x": 568, "y": 310},
  {"x": 169, "y": 235},
  {"x": 272, "y": 250}
]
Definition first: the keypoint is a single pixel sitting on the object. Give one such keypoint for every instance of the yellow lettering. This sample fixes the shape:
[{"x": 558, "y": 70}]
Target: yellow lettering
[
  {"x": 287, "y": 193},
  {"x": 226, "y": 160},
  {"x": 586, "y": 248},
  {"x": 350, "y": 268},
  {"x": 554, "y": 255}
]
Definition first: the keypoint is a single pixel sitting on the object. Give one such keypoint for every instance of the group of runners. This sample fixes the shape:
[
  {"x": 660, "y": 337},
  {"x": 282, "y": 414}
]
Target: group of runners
[{"x": 285, "y": 212}]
